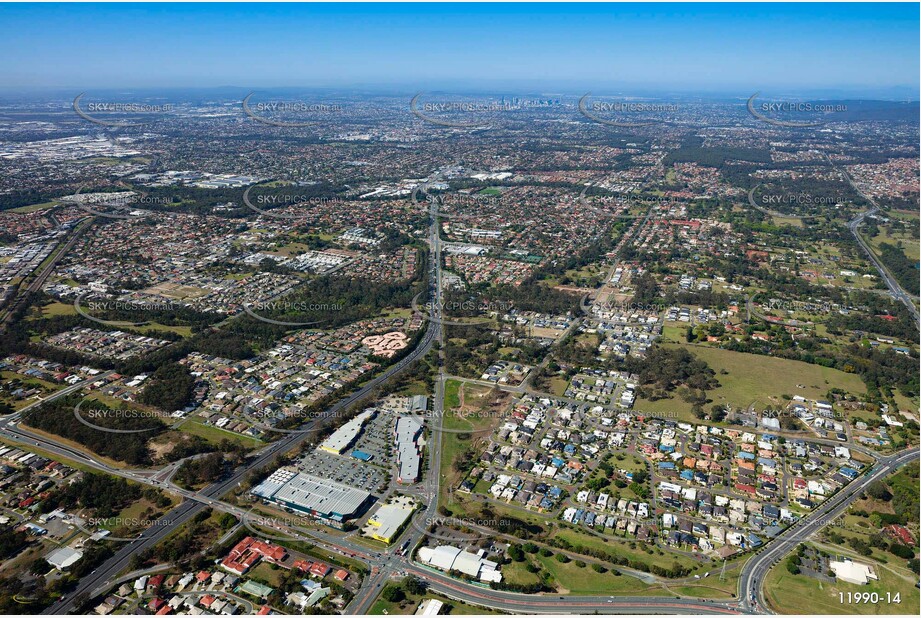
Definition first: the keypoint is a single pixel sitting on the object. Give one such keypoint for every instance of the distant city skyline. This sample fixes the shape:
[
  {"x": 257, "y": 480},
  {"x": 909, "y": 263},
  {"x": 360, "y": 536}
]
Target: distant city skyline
[{"x": 845, "y": 49}]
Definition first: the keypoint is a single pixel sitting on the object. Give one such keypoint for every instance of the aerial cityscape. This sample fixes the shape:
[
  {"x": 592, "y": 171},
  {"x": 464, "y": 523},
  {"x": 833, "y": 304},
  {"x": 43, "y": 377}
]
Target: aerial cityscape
[{"x": 465, "y": 309}]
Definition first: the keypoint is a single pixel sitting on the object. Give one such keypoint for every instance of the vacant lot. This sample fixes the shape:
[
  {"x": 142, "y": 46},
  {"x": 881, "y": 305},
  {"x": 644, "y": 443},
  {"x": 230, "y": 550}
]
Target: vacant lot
[
  {"x": 799, "y": 594},
  {"x": 759, "y": 380}
]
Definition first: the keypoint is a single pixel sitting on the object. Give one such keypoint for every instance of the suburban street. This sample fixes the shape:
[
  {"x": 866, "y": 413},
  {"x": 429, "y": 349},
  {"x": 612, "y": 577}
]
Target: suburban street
[
  {"x": 389, "y": 564},
  {"x": 751, "y": 583}
]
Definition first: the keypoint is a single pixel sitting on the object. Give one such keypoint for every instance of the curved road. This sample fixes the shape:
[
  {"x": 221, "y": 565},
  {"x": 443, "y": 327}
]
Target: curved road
[
  {"x": 751, "y": 581},
  {"x": 389, "y": 564}
]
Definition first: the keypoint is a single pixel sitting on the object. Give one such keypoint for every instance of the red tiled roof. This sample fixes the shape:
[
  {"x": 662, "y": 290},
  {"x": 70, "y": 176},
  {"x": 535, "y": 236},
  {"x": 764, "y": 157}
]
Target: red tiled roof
[
  {"x": 248, "y": 552},
  {"x": 319, "y": 569}
]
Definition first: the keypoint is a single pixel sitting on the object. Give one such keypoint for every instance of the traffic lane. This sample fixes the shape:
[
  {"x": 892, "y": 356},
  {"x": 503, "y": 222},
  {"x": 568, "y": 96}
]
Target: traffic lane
[
  {"x": 752, "y": 578},
  {"x": 523, "y": 603},
  {"x": 118, "y": 562},
  {"x": 153, "y": 535}
]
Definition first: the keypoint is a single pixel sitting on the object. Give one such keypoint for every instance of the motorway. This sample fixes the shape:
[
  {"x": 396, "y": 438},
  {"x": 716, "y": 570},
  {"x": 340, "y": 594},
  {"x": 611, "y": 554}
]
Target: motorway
[
  {"x": 388, "y": 564},
  {"x": 894, "y": 287},
  {"x": 41, "y": 274},
  {"x": 188, "y": 509},
  {"x": 514, "y": 602},
  {"x": 93, "y": 583}
]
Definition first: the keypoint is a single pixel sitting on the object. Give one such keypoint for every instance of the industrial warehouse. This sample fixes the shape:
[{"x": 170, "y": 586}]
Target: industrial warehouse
[
  {"x": 331, "y": 502},
  {"x": 390, "y": 519},
  {"x": 407, "y": 432},
  {"x": 345, "y": 436}
]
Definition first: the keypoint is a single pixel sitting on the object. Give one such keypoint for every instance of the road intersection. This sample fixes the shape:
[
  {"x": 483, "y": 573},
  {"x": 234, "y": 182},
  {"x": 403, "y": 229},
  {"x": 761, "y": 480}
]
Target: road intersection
[{"x": 393, "y": 563}]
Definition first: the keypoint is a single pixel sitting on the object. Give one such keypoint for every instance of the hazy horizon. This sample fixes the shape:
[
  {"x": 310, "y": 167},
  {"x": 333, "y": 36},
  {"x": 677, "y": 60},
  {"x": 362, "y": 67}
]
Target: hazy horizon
[{"x": 860, "y": 49}]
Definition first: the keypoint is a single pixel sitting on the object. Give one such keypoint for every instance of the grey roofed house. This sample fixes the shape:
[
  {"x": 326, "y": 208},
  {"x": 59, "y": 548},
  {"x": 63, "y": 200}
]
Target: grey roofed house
[{"x": 63, "y": 558}]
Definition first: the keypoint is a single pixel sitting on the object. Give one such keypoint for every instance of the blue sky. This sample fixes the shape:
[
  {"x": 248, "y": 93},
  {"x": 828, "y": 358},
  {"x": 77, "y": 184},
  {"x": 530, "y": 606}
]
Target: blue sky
[{"x": 678, "y": 47}]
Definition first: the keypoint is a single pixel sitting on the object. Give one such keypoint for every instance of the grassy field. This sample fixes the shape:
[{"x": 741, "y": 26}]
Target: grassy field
[
  {"x": 517, "y": 573},
  {"x": 453, "y": 445},
  {"x": 799, "y": 594},
  {"x": 452, "y": 398},
  {"x": 573, "y": 579},
  {"x": 26, "y": 382},
  {"x": 266, "y": 574},
  {"x": 794, "y": 221},
  {"x": 705, "y": 592},
  {"x": 76, "y": 446},
  {"x": 215, "y": 434},
  {"x": 58, "y": 308},
  {"x": 143, "y": 511},
  {"x": 76, "y": 465},
  {"x": 759, "y": 380},
  {"x": 33, "y": 207},
  {"x": 491, "y": 191},
  {"x": 558, "y": 386},
  {"x": 622, "y": 548},
  {"x": 182, "y": 331},
  {"x": 910, "y": 246}
]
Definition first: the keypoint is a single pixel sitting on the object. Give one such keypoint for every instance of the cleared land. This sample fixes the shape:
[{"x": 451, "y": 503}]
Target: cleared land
[
  {"x": 759, "y": 380},
  {"x": 800, "y": 594}
]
